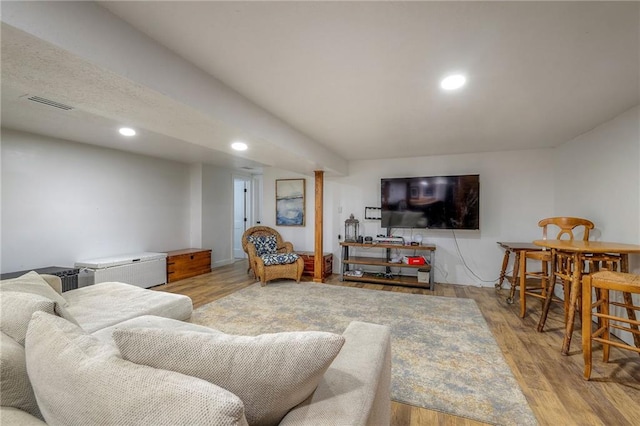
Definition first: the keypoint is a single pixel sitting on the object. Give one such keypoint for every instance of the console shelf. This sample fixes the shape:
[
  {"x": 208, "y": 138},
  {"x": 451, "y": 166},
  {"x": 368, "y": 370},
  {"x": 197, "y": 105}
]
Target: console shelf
[{"x": 385, "y": 277}]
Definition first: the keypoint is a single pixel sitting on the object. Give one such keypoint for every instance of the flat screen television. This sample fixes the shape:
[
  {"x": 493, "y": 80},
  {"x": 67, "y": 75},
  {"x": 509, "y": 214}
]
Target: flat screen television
[{"x": 439, "y": 202}]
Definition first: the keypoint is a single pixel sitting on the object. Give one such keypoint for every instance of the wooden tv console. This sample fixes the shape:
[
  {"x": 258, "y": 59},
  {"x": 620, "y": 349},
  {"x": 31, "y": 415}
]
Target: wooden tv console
[{"x": 383, "y": 260}]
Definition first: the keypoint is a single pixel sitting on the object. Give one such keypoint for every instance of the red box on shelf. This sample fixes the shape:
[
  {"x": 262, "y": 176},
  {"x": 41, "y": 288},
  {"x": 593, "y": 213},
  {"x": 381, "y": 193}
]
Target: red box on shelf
[{"x": 415, "y": 260}]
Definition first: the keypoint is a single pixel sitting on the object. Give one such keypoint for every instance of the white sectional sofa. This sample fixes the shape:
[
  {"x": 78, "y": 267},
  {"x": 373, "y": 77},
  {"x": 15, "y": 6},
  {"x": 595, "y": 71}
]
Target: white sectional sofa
[{"x": 39, "y": 381}]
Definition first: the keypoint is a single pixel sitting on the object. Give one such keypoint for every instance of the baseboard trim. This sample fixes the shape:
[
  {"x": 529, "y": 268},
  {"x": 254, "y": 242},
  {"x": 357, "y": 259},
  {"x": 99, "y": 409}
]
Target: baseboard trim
[{"x": 223, "y": 263}]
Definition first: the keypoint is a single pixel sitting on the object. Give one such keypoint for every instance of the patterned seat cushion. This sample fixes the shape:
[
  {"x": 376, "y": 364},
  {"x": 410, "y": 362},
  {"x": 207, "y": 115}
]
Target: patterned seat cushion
[
  {"x": 264, "y": 244},
  {"x": 279, "y": 258}
]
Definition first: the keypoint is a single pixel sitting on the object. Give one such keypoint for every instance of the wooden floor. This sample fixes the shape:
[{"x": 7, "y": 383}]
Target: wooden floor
[{"x": 552, "y": 383}]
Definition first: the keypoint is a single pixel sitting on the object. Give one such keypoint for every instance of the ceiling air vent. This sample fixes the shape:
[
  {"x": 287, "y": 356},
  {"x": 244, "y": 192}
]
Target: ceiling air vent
[{"x": 50, "y": 103}]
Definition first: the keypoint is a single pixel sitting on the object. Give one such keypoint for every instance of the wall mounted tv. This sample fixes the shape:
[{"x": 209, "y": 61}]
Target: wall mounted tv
[{"x": 439, "y": 202}]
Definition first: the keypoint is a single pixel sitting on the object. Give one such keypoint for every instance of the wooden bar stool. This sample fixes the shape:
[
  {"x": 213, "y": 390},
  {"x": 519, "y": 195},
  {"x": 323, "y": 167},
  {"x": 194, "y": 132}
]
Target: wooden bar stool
[
  {"x": 603, "y": 282},
  {"x": 545, "y": 280}
]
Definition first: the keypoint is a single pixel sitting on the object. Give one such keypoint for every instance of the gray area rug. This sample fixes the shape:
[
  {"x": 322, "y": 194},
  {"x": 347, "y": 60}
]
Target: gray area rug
[{"x": 444, "y": 356}]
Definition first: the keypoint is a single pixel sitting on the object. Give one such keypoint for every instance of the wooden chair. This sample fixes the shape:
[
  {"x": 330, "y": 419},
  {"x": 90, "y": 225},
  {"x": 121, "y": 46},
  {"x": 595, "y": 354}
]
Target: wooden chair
[
  {"x": 551, "y": 269},
  {"x": 265, "y": 272},
  {"x": 262, "y": 231},
  {"x": 603, "y": 283}
]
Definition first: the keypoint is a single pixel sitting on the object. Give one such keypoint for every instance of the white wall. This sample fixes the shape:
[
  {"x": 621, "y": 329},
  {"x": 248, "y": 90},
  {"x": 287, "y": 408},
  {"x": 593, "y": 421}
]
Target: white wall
[
  {"x": 64, "y": 201},
  {"x": 217, "y": 213},
  {"x": 195, "y": 211},
  {"x": 302, "y": 238},
  {"x": 597, "y": 176},
  {"x": 515, "y": 192}
]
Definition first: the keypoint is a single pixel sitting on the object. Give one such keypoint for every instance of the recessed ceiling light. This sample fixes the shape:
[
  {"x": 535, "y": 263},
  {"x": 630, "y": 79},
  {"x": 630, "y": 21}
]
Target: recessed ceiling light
[
  {"x": 453, "y": 82},
  {"x": 127, "y": 131},
  {"x": 239, "y": 146}
]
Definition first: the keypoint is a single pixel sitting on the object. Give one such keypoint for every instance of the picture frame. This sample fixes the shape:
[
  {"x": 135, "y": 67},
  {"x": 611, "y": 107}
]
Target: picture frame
[{"x": 290, "y": 202}]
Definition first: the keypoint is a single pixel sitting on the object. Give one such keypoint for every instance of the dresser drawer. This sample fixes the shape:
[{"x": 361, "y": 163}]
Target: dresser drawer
[{"x": 187, "y": 263}]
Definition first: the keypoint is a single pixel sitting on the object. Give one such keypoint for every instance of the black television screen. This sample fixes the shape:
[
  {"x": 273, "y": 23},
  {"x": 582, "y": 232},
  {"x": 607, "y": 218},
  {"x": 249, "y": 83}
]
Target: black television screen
[{"x": 441, "y": 202}]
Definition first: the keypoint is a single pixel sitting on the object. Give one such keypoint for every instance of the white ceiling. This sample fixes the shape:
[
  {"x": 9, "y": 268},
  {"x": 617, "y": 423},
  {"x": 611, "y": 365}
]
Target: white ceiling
[{"x": 361, "y": 78}]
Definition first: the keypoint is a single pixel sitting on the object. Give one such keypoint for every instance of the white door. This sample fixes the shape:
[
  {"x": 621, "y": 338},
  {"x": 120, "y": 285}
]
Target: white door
[{"x": 241, "y": 210}]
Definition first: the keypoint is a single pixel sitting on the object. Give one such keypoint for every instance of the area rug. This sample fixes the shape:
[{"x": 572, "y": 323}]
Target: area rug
[{"x": 444, "y": 356}]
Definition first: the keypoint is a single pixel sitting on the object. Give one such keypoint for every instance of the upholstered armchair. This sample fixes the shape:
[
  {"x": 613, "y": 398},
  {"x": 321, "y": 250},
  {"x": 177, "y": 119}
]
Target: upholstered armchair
[{"x": 270, "y": 257}]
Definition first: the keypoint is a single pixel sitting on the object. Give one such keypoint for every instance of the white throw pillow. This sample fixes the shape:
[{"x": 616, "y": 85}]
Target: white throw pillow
[
  {"x": 271, "y": 373},
  {"x": 78, "y": 380},
  {"x": 17, "y": 308},
  {"x": 15, "y": 387},
  {"x": 33, "y": 283}
]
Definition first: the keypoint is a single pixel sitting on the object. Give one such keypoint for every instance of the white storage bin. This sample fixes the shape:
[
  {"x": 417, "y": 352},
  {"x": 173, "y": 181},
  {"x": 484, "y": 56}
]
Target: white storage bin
[
  {"x": 144, "y": 270},
  {"x": 423, "y": 275}
]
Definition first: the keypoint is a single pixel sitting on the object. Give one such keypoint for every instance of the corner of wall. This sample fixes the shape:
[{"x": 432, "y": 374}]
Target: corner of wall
[{"x": 195, "y": 205}]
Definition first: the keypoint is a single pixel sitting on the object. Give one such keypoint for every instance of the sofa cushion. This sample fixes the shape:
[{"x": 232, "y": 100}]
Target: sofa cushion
[
  {"x": 16, "y": 417},
  {"x": 102, "y": 305},
  {"x": 33, "y": 283},
  {"x": 17, "y": 308},
  {"x": 79, "y": 380},
  {"x": 149, "y": 321},
  {"x": 54, "y": 282},
  {"x": 271, "y": 373},
  {"x": 264, "y": 244},
  {"x": 15, "y": 388},
  {"x": 356, "y": 389},
  {"x": 279, "y": 258}
]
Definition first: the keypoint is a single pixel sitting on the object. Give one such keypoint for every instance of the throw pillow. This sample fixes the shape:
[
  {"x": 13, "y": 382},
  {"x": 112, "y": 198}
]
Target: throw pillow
[
  {"x": 279, "y": 258},
  {"x": 78, "y": 380},
  {"x": 33, "y": 283},
  {"x": 54, "y": 282},
  {"x": 271, "y": 373},
  {"x": 15, "y": 387},
  {"x": 264, "y": 244},
  {"x": 17, "y": 308}
]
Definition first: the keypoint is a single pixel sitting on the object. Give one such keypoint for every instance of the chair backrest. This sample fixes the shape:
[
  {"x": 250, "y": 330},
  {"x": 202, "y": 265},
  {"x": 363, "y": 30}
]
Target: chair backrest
[
  {"x": 566, "y": 225},
  {"x": 260, "y": 231}
]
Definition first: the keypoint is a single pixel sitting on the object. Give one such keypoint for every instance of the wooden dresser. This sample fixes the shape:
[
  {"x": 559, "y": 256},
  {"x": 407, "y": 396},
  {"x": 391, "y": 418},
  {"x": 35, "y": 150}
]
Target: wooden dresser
[
  {"x": 187, "y": 263},
  {"x": 309, "y": 265}
]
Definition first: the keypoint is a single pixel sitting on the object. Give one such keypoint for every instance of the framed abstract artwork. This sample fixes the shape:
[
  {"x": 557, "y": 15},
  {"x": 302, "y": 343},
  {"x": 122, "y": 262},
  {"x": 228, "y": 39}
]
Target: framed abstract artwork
[{"x": 290, "y": 202}]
